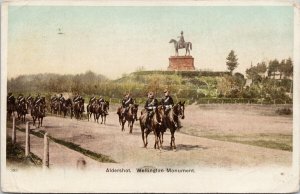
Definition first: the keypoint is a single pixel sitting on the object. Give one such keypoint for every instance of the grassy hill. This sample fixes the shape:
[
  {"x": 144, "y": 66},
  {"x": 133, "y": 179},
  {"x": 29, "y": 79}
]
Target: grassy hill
[{"x": 192, "y": 86}]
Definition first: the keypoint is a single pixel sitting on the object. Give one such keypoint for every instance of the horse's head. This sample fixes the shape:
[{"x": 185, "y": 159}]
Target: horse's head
[
  {"x": 159, "y": 111},
  {"x": 179, "y": 109},
  {"x": 172, "y": 41}
]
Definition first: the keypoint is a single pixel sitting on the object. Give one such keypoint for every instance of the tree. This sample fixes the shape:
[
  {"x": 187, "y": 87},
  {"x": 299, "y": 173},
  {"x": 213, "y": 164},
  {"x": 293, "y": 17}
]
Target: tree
[
  {"x": 231, "y": 61},
  {"x": 287, "y": 69},
  {"x": 273, "y": 67}
]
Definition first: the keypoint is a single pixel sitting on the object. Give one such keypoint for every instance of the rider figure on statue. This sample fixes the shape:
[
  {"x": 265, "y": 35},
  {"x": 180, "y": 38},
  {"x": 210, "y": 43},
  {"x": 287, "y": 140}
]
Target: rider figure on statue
[
  {"x": 150, "y": 106},
  {"x": 181, "y": 40}
]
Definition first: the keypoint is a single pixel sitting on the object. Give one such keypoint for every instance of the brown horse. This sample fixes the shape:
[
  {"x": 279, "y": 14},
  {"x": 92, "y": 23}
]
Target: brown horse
[
  {"x": 130, "y": 116},
  {"x": 54, "y": 107},
  {"x": 67, "y": 106},
  {"x": 155, "y": 126},
  {"x": 21, "y": 110},
  {"x": 78, "y": 108},
  {"x": 11, "y": 106},
  {"x": 38, "y": 113},
  {"x": 104, "y": 111},
  {"x": 170, "y": 119}
]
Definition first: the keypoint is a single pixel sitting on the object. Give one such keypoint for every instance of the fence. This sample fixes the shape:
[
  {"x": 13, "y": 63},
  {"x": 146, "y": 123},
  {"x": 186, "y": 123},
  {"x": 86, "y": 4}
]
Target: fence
[{"x": 27, "y": 142}]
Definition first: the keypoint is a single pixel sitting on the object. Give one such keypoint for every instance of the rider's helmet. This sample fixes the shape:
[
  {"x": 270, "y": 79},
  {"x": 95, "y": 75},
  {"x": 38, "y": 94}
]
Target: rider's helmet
[
  {"x": 181, "y": 32},
  {"x": 9, "y": 93},
  {"x": 150, "y": 94},
  {"x": 166, "y": 91},
  {"x": 61, "y": 95},
  {"x": 126, "y": 94}
]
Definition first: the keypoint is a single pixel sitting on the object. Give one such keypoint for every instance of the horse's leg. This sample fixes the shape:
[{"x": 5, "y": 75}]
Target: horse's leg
[
  {"x": 101, "y": 118},
  {"x": 143, "y": 136},
  {"x": 147, "y": 133},
  {"x": 173, "y": 139},
  {"x": 123, "y": 123},
  {"x": 131, "y": 126}
]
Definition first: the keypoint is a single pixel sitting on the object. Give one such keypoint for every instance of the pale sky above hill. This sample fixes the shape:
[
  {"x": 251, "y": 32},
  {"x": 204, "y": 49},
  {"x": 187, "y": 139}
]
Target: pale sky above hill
[{"x": 116, "y": 40}]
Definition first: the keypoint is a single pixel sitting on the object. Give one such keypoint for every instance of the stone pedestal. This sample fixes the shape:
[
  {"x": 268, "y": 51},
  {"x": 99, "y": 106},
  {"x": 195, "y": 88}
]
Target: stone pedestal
[{"x": 181, "y": 63}]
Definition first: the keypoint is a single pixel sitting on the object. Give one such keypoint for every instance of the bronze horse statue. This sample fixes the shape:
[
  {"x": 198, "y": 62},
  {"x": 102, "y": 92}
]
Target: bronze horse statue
[{"x": 177, "y": 46}]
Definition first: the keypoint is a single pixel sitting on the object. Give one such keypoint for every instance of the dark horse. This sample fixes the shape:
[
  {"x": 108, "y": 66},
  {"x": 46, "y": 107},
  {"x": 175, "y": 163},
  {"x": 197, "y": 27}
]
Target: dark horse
[
  {"x": 155, "y": 126},
  {"x": 11, "y": 105},
  {"x": 38, "y": 112},
  {"x": 54, "y": 107},
  {"x": 78, "y": 108},
  {"x": 104, "y": 111},
  {"x": 186, "y": 45},
  {"x": 130, "y": 116},
  {"x": 22, "y": 110},
  {"x": 170, "y": 118},
  {"x": 67, "y": 106}
]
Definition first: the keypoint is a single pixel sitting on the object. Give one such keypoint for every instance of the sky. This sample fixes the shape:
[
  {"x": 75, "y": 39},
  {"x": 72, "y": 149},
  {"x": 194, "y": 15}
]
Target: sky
[{"x": 114, "y": 40}]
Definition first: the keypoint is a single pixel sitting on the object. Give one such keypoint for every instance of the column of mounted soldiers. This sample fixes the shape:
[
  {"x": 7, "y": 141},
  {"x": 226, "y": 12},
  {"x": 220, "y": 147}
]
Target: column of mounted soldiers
[{"x": 97, "y": 107}]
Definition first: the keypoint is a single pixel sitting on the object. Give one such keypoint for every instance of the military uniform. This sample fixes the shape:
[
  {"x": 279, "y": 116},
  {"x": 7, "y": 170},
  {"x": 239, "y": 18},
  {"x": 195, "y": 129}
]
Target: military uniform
[
  {"x": 92, "y": 100},
  {"x": 167, "y": 102},
  {"x": 126, "y": 102},
  {"x": 100, "y": 100}
]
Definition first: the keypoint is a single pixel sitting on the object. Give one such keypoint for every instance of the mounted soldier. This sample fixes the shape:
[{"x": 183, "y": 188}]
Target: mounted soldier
[
  {"x": 168, "y": 103},
  {"x": 100, "y": 100},
  {"x": 29, "y": 98},
  {"x": 150, "y": 106},
  {"x": 92, "y": 100},
  {"x": 76, "y": 98},
  {"x": 10, "y": 98},
  {"x": 11, "y": 103},
  {"x": 126, "y": 102},
  {"x": 61, "y": 98},
  {"x": 37, "y": 98}
]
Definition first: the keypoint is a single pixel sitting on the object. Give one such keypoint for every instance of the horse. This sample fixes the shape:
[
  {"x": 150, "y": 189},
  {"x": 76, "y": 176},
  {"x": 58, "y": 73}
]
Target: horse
[
  {"x": 38, "y": 113},
  {"x": 78, "y": 108},
  {"x": 130, "y": 116},
  {"x": 67, "y": 106},
  {"x": 104, "y": 111},
  {"x": 96, "y": 110},
  {"x": 90, "y": 110},
  {"x": 21, "y": 110},
  {"x": 155, "y": 126},
  {"x": 169, "y": 121},
  {"x": 54, "y": 107},
  {"x": 186, "y": 45},
  {"x": 11, "y": 106}
]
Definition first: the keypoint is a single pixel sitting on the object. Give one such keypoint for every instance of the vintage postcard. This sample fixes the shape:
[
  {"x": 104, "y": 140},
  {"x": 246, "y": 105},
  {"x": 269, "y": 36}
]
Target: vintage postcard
[{"x": 150, "y": 96}]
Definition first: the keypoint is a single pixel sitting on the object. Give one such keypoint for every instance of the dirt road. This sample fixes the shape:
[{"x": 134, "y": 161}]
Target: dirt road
[{"x": 127, "y": 149}]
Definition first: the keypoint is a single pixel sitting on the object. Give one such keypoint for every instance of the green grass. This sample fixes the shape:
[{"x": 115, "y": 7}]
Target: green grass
[
  {"x": 15, "y": 153},
  {"x": 96, "y": 156},
  {"x": 266, "y": 141}
]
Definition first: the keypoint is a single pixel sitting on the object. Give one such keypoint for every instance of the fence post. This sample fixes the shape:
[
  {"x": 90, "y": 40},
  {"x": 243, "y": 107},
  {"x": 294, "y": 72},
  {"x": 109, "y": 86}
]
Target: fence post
[
  {"x": 46, "y": 151},
  {"x": 27, "y": 140},
  {"x": 13, "y": 135}
]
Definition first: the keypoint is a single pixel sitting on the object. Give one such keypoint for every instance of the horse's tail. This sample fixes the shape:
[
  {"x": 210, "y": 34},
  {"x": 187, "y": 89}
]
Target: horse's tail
[{"x": 191, "y": 45}]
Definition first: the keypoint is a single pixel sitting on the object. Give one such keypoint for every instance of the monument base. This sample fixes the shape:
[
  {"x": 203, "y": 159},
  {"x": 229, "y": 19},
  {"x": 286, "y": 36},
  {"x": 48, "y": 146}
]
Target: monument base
[{"x": 181, "y": 63}]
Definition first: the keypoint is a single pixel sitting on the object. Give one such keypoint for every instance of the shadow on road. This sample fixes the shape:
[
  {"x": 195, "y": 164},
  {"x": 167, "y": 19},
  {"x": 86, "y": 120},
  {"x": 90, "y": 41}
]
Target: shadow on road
[{"x": 188, "y": 147}]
